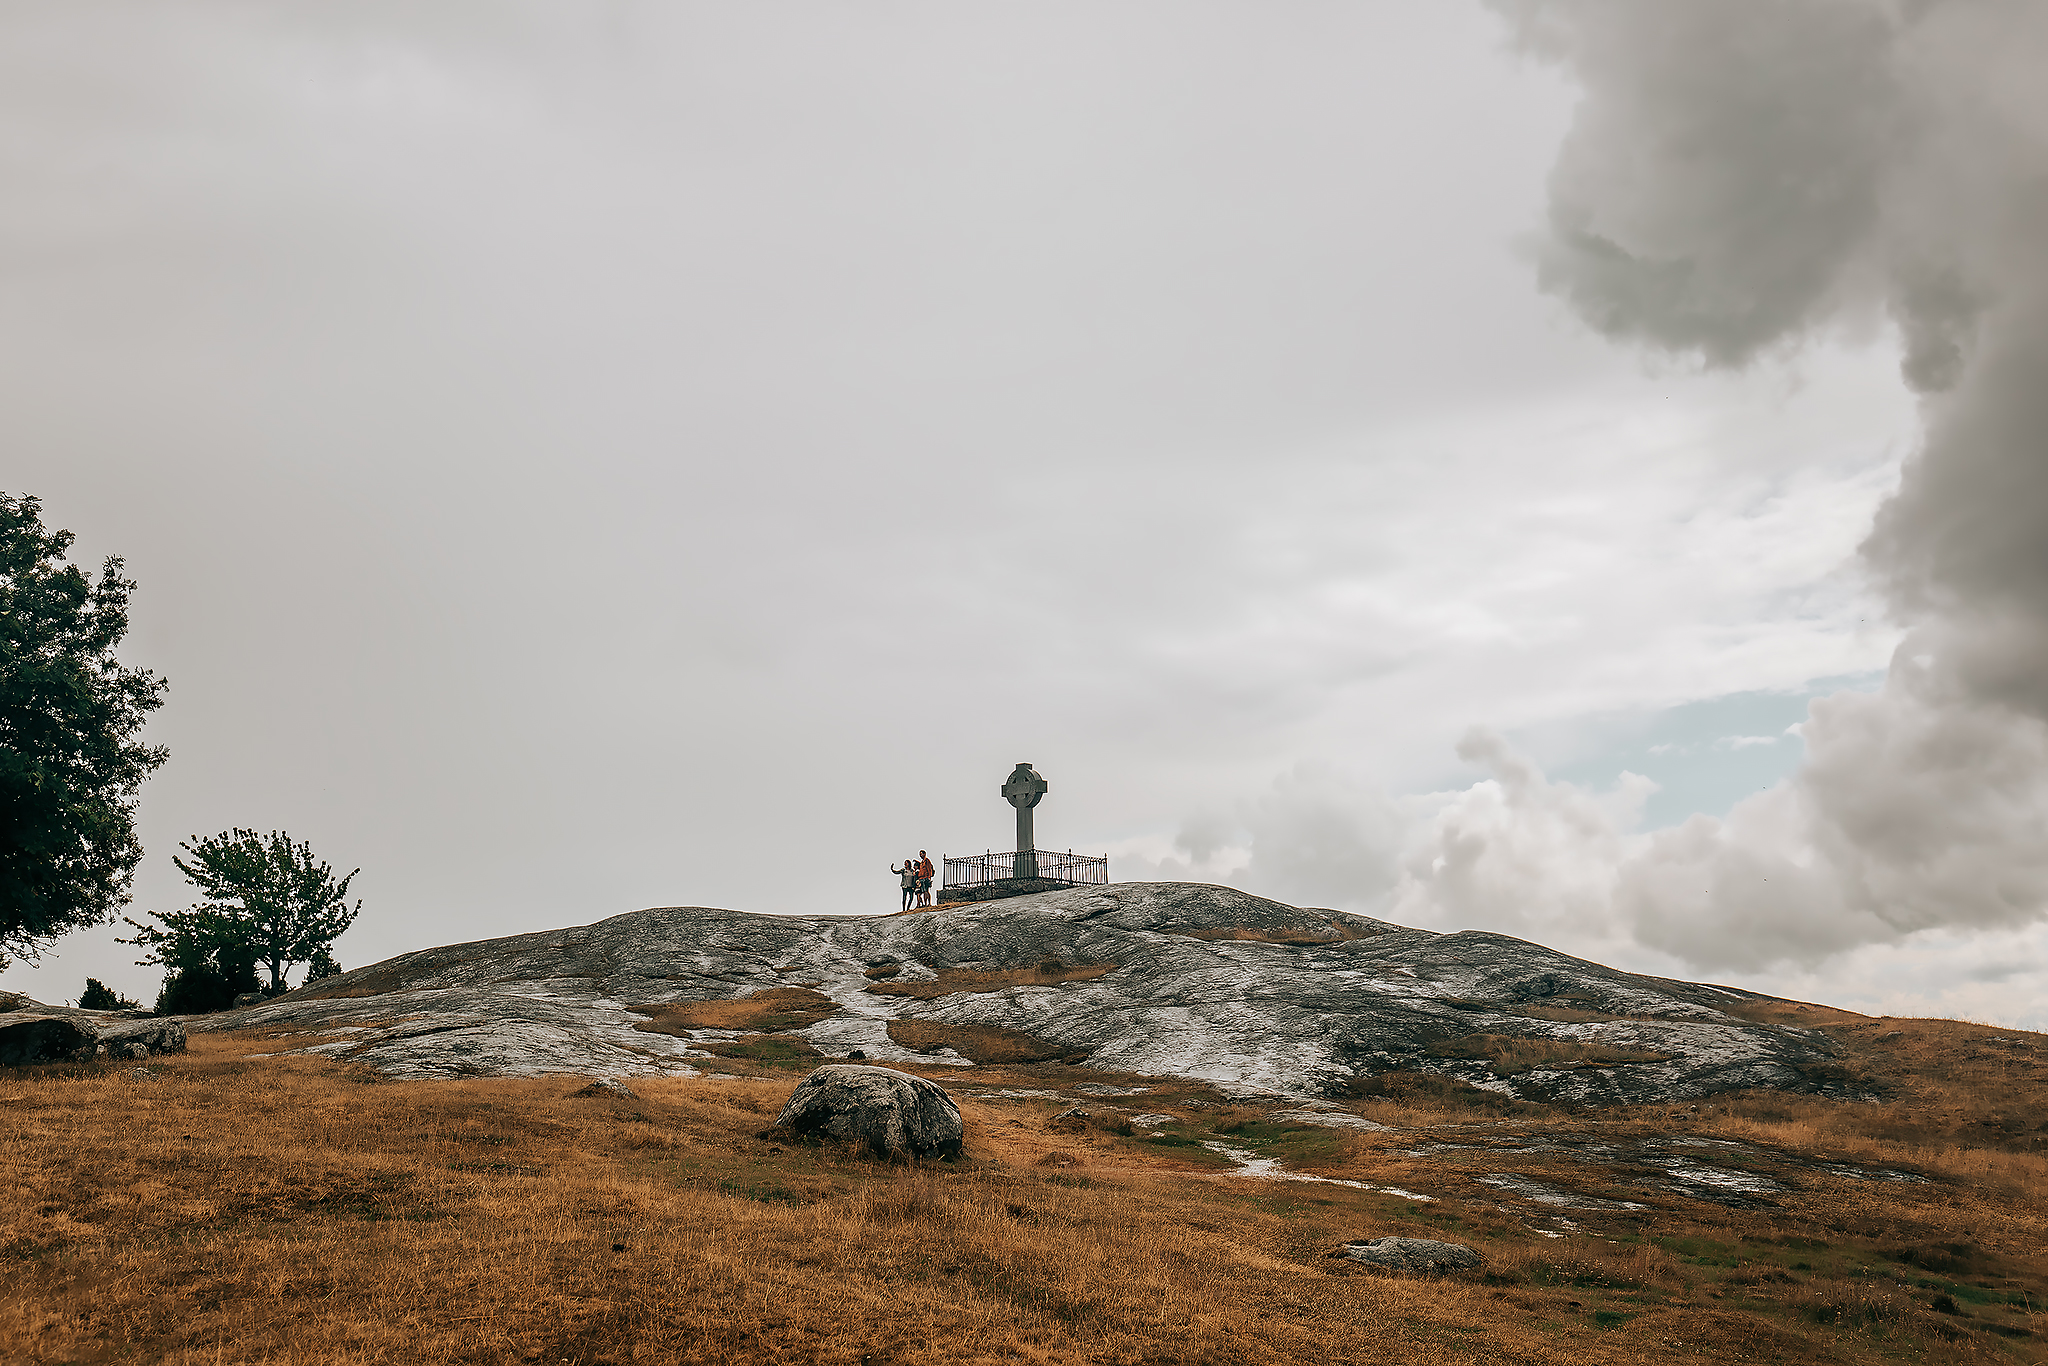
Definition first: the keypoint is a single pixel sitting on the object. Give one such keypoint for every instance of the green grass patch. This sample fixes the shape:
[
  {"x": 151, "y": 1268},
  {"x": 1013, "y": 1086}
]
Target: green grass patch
[
  {"x": 1703, "y": 1251},
  {"x": 1289, "y": 1142},
  {"x": 766, "y": 1193}
]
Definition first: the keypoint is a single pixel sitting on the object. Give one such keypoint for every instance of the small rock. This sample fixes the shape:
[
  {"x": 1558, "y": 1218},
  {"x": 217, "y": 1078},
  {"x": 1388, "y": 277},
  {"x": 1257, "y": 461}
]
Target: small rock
[
  {"x": 1076, "y": 1113},
  {"x": 1152, "y": 1121},
  {"x": 878, "y": 1109},
  {"x": 141, "y": 1074},
  {"x": 606, "y": 1086},
  {"x": 248, "y": 998},
  {"x": 1423, "y": 1255},
  {"x": 1098, "y": 1088}
]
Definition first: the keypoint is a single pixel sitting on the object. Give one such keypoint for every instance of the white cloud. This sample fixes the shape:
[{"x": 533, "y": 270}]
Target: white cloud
[
  {"x": 1741, "y": 177},
  {"x": 1993, "y": 977},
  {"x": 1841, "y": 858}
]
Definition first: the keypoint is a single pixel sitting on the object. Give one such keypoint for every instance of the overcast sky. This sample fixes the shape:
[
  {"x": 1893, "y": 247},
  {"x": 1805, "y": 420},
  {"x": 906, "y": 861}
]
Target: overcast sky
[{"x": 1435, "y": 459}]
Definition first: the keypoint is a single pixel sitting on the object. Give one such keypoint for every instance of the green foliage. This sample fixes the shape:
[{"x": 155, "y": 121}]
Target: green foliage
[
  {"x": 209, "y": 967},
  {"x": 99, "y": 996},
  {"x": 265, "y": 896},
  {"x": 322, "y": 965},
  {"x": 70, "y": 763}
]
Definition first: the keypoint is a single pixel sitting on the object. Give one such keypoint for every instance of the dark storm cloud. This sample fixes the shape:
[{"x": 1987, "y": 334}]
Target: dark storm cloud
[{"x": 1741, "y": 175}]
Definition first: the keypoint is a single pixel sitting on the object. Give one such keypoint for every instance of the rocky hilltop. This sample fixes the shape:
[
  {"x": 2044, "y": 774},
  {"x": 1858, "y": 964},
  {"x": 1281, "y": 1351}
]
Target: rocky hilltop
[{"x": 1164, "y": 979}]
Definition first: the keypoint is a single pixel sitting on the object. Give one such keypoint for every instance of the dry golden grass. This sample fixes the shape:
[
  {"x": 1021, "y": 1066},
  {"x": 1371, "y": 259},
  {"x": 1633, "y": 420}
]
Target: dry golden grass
[
  {"x": 290, "y": 1210},
  {"x": 978, "y": 1043},
  {"x": 769, "y": 1010}
]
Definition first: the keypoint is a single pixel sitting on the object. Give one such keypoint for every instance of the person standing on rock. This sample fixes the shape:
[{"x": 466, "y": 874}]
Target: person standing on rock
[
  {"x": 925, "y": 874},
  {"x": 907, "y": 876}
]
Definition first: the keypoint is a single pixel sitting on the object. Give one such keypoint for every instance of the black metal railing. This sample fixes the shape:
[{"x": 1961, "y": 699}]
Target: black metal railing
[{"x": 974, "y": 870}]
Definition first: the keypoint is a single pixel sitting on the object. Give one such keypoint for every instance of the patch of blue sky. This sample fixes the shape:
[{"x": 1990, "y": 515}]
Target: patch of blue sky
[{"x": 1704, "y": 756}]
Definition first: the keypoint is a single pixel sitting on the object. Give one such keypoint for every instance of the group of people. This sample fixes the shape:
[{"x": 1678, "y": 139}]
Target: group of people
[{"x": 916, "y": 874}]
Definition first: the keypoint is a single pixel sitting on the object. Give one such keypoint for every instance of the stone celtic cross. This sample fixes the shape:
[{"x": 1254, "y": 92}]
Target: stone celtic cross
[{"x": 1024, "y": 791}]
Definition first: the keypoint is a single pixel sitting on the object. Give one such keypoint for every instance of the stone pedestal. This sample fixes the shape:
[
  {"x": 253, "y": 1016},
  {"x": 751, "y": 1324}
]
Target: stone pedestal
[{"x": 997, "y": 890}]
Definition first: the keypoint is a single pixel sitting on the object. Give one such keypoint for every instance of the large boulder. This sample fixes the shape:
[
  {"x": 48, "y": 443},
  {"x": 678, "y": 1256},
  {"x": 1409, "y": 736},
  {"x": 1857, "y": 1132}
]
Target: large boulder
[
  {"x": 878, "y": 1109},
  {"x": 27, "y": 1037},
  {"x": 1424, "y": 1255},
  {"x": 123, "y": 1038}
]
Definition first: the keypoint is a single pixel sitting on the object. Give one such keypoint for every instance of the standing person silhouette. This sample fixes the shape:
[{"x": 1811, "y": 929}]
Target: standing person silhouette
[
  {"x": 907, "y": 875},
  {"x": 925, "y": 874}
]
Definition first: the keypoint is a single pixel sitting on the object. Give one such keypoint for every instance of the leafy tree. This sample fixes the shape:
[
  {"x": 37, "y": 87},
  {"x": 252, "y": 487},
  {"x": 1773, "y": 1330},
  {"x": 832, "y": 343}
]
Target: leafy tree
[
  {"x": 264, "y": 894},
  {"x": 99, "y": 996},
  {"x": 209, "y": 962},
  {"x": 70, "y": 763},
  {"x": 322, "y": 965}
]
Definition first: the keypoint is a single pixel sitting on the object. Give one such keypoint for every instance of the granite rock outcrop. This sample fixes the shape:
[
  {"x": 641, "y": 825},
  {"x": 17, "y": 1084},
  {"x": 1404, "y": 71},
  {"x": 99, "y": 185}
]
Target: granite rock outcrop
[{"x": 1171, "y": 979}]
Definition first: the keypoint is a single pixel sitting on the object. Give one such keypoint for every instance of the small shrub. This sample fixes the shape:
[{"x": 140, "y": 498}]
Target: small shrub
[
  {"x": 99, "y": 996},
  {"x": 210, "y": 984}
]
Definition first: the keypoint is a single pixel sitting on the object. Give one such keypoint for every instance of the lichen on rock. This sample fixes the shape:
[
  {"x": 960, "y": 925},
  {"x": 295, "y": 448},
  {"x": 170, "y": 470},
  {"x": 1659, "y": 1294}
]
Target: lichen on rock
[
  {"x": 1423, "y": 1256},
  {"x": 1158, "y": 978},
  {"x": 877, "y": 1110}
]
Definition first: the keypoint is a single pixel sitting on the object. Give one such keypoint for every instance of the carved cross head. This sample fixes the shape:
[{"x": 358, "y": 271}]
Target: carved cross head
[{"x": 1024, "y": 788}]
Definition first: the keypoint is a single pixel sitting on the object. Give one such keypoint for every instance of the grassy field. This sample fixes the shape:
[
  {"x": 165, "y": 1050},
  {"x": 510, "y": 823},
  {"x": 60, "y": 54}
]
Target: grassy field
[{"x": 224, "y": 1208}]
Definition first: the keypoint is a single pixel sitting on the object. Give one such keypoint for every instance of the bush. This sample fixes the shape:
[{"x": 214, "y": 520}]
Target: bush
[
  {"x": 99, "y": 996},
  {"x": 208, "y": 983}
]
